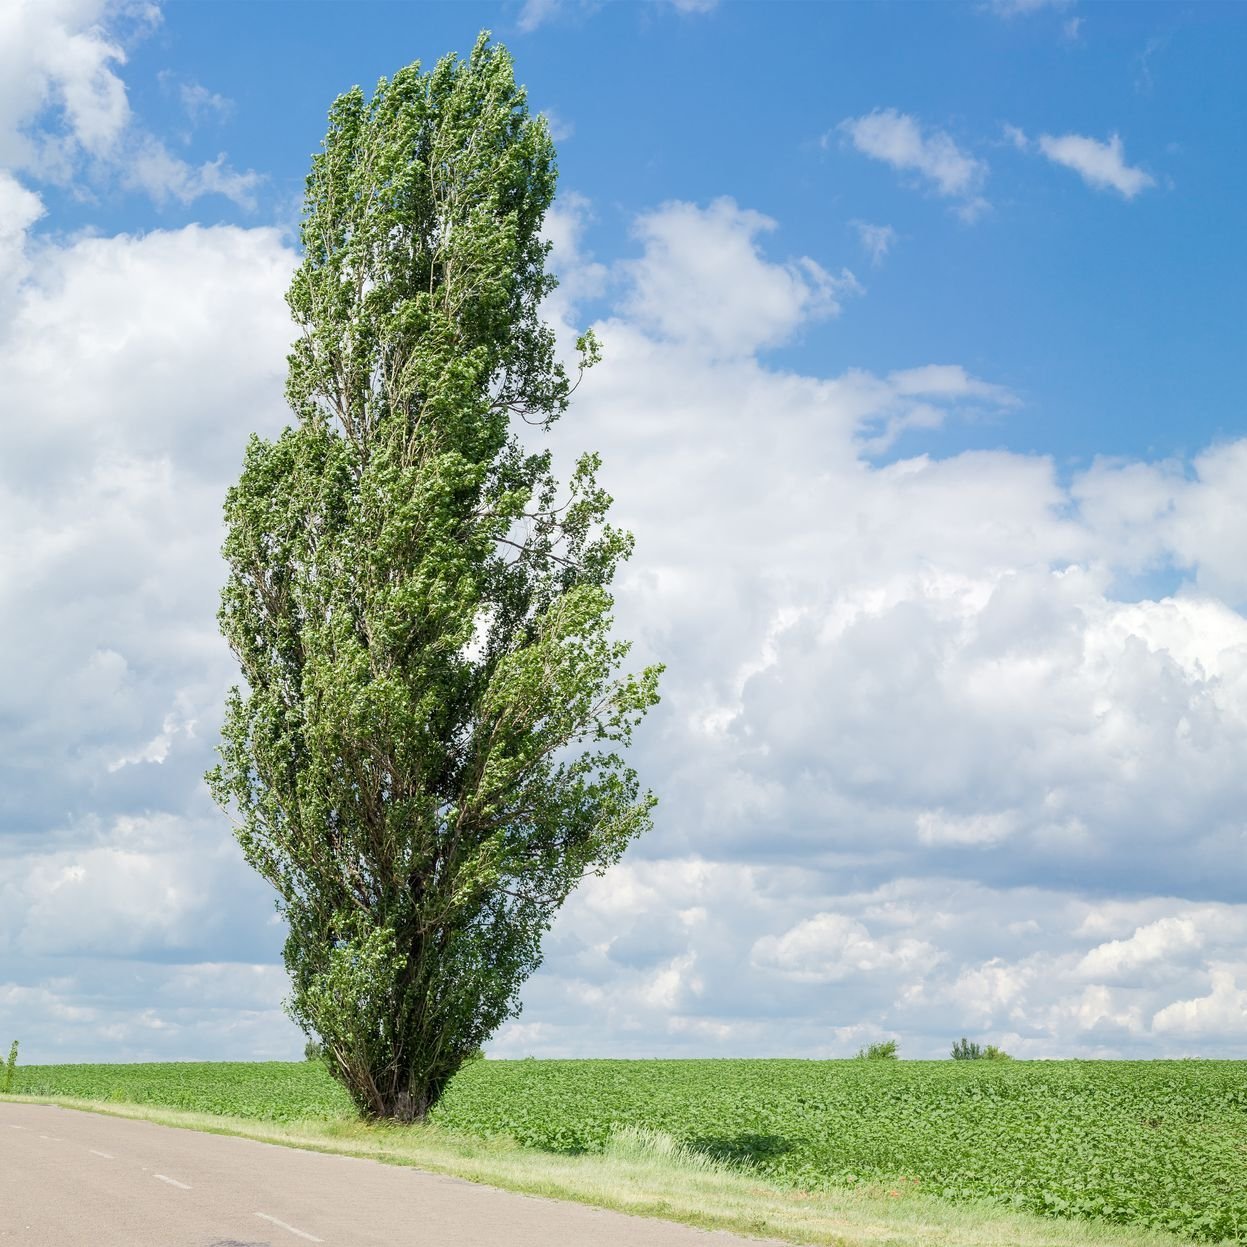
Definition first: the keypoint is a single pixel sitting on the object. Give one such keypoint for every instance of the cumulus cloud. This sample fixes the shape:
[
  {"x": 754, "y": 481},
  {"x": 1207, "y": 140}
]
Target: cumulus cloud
[
  {"x": 703, "y": 283},
  {"x": 1159, "y": 943},
  {"x": 913, "y": 673},
  {"x": 111, "y": 498},
  {"x": 20, "y": 208},
  {"x": 138, "y": 403},
  {"x": 899, "y": 140},
  {"x": 65, "y": 112},
  {"x": 830, "y": 947},
  {"x": 1215, "y": 1016},
  {"x": 922, "y": 767},
  {"x": 1101, "y": 165},
  {"x": 55, "y": 54},
  {"x": 921, "y": 959}
]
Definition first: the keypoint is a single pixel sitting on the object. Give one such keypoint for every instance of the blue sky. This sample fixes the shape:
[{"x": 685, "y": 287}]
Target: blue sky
[
  {"x": 923, "y": 328},
  {"x": 1097, "y": 311}
]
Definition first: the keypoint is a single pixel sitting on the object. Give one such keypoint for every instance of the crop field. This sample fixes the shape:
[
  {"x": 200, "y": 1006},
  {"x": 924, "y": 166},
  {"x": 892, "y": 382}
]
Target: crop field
[{"x": 1158, "y": 1143}]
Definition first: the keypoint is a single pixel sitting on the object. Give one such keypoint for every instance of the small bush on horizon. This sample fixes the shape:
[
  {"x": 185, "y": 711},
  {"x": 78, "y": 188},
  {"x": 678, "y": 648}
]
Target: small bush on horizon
[
  {"x": 883, "y": 1051},
  {"x": 966, "y": 1050},
  {"x": 10, "y": 1068}
]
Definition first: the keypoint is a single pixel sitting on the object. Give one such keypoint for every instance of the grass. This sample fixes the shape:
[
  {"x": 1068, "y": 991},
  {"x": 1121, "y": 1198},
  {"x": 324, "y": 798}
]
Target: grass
[{"x": 651, "y": 1174}]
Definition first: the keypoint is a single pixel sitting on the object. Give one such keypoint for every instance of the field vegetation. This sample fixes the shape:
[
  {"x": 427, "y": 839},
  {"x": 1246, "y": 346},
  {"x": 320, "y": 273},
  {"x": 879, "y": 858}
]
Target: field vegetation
[{"x": 1158, "y": 1144}]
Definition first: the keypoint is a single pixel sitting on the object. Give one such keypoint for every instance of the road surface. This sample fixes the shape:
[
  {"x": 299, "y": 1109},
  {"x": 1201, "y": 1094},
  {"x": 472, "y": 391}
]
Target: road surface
[{"x": 73, "y": 1179}]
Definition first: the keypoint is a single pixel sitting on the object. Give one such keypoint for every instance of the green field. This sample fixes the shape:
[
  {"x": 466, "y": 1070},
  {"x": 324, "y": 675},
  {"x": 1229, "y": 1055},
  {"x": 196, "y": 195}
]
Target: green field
[{"x": 1161, "y": 1144}]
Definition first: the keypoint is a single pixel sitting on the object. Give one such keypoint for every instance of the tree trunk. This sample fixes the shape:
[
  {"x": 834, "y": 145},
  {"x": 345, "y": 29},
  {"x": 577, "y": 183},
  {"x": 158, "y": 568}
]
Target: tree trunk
[{"x": 407, "y": 1104}]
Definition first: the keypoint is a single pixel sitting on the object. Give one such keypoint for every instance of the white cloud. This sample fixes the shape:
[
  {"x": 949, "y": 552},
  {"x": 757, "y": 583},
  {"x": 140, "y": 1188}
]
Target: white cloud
[
  {"x": 114, "y": 903},
  {"x": 580, "y": 276},
  {"x": 937, "y": 827},
  {"x": 200, "y": 103},
  {"x": 1190, "y": 516},
  {"x": 56, "y": 54},
  {"x": 152, "y": 168},
  {"x": 704, "y": 283},
  {"x": 1160, "y": 942},
  {"x": 912, "y": 673},
  {"x": 537, "y": 13},
  {"x": 65, "y": 115},
  {"x": 19, "y": 210},
  {"x": 1016, "y": 136},
  {"x": 1023, "y": 8},
  {"x": 906, "y": 669},
  {"x": 157, "y": 749},
  {"x": 153, "y": 1012},
  {"x": 829, "y": 947},
  {"x": 923, "y": 960},
  {"x": 899, "y": 140},
  {"x": 876, "y": 240},
  {"x": 988, "y": 994},
  {"x": 110, "y": 499},
  {"x": 560, "y": 128},
  {"x": 1218, "y": 1015},
  {"x": 1101, "y": 165}
]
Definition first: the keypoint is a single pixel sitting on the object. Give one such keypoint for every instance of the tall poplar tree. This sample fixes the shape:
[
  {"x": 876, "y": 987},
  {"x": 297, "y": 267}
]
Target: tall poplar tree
[{"x": 425, "y": 759}]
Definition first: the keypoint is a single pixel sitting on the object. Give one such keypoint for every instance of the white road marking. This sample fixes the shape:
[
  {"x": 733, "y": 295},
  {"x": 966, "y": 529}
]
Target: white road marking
[
  {"x": 160, "y": 1177},
  {"x": 311, "y": 1238},
  {"x": 105, "y": 1155}
]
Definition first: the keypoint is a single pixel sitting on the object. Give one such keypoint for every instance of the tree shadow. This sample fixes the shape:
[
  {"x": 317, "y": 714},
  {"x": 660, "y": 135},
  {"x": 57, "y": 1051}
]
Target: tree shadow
[{"x": 742, "y": 1151}]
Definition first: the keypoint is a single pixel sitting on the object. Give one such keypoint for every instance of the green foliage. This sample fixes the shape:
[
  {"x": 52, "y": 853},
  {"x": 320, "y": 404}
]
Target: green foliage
[
  {"x": 965, "y": 1050},
  {"x": 1157, "y": 1144},
  {"x": 886, "y": 1050},
  {"x": 264, "y": 1091},
  {"x": 992, "y": 1053},
  {"x": 10, "y": 1068},
  {"x": 427, "y": 756}
]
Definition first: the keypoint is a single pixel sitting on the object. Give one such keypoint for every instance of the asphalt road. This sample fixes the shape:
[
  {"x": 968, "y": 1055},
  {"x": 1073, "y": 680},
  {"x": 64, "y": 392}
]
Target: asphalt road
[{"x": 73, "y": 1179}]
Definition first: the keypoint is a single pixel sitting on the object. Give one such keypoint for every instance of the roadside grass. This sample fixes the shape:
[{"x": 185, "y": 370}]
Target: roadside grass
[{"x": 648, "y": 1173}]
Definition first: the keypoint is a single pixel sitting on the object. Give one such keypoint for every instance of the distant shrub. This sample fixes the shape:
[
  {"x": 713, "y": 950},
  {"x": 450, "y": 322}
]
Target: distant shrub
[
  {"x": 312, "y": 1051},
  {"x": 992, "y": 1053},
  {"x": 966, "y": 1050},
  {"x": 10, "y": 1068},
  {"x": 884, "y": 1051}
]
